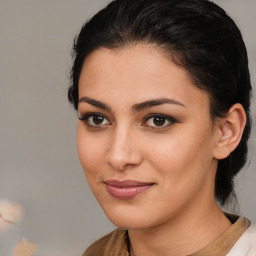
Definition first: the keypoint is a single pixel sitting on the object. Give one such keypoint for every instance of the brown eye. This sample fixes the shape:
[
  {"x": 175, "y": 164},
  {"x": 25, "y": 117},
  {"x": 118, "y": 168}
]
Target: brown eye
[
  {"x": 94, "y": 120},
  {"x": 98, "y": 120},
  {"x": 159, "y": 121}
]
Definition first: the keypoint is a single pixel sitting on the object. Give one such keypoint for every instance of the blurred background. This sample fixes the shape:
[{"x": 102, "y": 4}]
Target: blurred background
[{"x": 39, "y": 166}]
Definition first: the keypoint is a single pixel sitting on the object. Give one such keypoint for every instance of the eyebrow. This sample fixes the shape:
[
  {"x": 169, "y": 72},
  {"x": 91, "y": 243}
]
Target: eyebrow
[
  {"x": 155, "y": 102},
  {"x": 137, "y": 107},
  {"x": 95, "y": 103}
]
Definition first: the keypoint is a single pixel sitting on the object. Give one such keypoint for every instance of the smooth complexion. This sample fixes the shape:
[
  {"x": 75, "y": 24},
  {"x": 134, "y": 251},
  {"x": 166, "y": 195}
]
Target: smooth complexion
[{"x": 150, "y": 149}]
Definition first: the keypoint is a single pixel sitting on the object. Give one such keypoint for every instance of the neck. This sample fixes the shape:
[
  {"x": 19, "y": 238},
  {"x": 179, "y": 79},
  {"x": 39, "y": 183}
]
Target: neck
[{"x": 182, "y": 235}]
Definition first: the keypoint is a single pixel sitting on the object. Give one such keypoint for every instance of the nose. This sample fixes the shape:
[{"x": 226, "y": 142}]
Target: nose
[{"x": 123, "y": 151}]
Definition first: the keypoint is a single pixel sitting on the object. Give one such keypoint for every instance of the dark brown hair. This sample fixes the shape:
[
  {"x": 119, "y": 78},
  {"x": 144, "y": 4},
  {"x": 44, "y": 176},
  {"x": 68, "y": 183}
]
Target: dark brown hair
[{"x": 197, "y": 35}]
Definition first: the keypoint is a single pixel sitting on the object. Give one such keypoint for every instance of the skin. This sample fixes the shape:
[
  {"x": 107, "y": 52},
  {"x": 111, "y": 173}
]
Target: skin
[{"x": 178, "y": 215}]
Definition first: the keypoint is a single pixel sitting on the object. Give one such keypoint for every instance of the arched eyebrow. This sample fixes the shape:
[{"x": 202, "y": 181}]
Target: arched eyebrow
[
  {"x": 155, "y": 102},
  {"x": 136, "y": 107},
  {"x": 96, "y": 103}
]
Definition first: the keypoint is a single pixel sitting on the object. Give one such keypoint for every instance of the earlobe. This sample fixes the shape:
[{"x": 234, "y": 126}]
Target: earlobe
[{"x": 230, "y": 130}]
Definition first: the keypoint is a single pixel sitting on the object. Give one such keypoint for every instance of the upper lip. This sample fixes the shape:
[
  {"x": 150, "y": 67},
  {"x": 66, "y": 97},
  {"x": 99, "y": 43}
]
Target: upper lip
[{"x": 127, "y": 183}]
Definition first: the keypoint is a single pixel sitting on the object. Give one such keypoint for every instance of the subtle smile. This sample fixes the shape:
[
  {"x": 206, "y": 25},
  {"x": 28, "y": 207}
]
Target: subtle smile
[{"x": 126, "y": 189}]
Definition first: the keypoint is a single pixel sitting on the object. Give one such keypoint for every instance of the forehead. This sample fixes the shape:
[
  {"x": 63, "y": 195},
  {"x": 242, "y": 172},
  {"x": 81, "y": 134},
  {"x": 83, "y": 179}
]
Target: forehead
[{"x": 136, "y": 72}]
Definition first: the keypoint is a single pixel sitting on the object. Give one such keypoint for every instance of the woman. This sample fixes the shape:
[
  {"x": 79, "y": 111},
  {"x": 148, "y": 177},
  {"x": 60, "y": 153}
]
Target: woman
[{"x": 162, "y": 90}]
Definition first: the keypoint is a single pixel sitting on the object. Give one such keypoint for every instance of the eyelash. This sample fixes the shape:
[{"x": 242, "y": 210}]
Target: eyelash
[
  {"x": 86, "y": 119},
  {"x": 167, "y": 118}
]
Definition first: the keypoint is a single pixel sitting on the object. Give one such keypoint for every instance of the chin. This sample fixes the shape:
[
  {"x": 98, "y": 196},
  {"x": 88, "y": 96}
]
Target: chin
[
  {"x": 131, "y": 223},
  {"x": 125, "y": 218}
]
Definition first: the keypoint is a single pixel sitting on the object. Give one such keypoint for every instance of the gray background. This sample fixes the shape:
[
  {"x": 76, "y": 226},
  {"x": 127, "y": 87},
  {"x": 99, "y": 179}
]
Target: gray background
[{"x": 38, "y": 159}]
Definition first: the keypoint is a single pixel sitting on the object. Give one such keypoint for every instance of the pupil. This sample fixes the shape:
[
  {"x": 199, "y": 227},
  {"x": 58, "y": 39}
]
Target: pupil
[
  {"x": 98, "y": 119},
  {"x": 159, "y": 121}
]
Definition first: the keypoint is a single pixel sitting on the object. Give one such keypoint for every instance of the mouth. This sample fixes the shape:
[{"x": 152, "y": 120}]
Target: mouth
[{"x": 126, "y": 189}]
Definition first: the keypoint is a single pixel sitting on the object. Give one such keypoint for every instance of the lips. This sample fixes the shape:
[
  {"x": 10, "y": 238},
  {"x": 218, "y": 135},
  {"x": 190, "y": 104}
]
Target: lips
[{"x": 126, "y": 189}]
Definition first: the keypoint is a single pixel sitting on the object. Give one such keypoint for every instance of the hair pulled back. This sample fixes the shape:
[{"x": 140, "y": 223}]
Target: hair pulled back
[{"x": 197, "y": 35}]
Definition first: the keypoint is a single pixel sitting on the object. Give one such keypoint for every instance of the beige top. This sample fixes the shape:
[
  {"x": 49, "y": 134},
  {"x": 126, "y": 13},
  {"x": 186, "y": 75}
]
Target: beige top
[{"x": 116, "y": 242}]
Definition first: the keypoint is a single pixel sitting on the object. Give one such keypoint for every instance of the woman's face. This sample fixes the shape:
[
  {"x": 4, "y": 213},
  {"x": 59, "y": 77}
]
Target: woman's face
[{"x": 145, "y": 139}]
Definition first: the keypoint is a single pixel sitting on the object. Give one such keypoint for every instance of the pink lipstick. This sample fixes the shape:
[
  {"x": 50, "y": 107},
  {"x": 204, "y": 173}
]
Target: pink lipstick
[{"x": 126, "y": 189}]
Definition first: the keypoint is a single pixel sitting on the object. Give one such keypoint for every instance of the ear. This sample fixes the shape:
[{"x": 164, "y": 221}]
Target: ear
[{"x": 229, "y": 131}]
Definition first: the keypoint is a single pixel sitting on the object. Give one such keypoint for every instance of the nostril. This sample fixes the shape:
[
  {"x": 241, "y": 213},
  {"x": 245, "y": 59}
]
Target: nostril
[
  {"x": 123, "y": 152},
  {"x": 117, "y": 163},
  {"x": 121, "y": 162}
]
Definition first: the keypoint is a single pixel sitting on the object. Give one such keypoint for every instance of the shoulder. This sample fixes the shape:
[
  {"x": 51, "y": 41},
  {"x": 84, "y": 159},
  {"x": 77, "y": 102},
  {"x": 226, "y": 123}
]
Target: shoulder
[
  {"x": 246, "y": 244},
  {"x": 113, "y": 243}
]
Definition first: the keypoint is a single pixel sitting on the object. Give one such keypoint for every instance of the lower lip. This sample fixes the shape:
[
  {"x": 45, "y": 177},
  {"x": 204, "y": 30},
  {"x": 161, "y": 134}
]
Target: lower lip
[{"x": 126, "y": 192}]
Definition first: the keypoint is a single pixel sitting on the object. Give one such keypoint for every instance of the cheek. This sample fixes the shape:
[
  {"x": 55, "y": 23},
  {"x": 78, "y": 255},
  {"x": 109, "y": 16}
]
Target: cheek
[
  {"x": 182, "y": 167},
  {"x": 89, "y": 151},
  {"x": 185, "y": 154}
]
